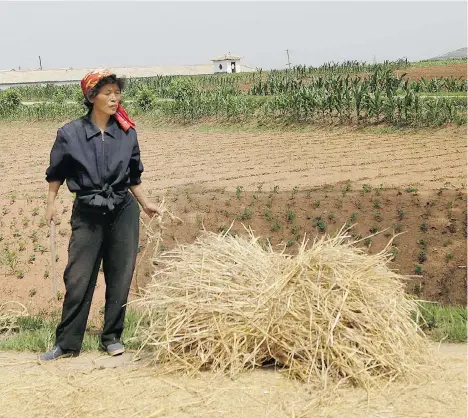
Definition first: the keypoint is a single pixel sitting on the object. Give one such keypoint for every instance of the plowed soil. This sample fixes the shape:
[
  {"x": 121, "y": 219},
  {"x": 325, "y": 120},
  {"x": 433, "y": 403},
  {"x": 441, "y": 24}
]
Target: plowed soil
[
  {"x": 435, "y": 71},
  {"x": 197, "y": 173}
]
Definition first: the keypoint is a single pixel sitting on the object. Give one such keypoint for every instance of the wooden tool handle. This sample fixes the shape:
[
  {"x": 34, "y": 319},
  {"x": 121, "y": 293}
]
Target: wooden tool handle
[{"x": 53, "y": 258}]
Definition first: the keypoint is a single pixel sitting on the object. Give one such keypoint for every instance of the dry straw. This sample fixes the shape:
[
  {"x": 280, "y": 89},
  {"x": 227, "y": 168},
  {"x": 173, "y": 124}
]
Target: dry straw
[
  {"x": 9, "y": 314},
  {"x": 330, "y": 314}
]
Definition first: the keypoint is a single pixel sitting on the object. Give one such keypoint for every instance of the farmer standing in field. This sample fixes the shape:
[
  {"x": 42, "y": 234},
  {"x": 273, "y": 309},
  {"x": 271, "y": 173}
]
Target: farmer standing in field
[{"x": 99, "y": 156}]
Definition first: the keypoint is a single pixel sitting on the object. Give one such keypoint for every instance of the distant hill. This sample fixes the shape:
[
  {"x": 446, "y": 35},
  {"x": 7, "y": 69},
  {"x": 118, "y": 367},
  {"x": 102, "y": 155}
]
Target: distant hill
[{"x": 457, "y": 54}]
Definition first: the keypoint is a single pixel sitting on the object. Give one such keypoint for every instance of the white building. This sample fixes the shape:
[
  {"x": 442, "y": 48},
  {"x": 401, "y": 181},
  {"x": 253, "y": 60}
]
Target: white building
[
  {"x": 226, "y": 63},
  {"x": 62, "y": 76}
]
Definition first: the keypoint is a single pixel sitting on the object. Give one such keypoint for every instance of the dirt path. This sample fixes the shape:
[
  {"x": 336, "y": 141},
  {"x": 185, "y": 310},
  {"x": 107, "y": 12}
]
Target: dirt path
[{"x": 97, "y": 386}]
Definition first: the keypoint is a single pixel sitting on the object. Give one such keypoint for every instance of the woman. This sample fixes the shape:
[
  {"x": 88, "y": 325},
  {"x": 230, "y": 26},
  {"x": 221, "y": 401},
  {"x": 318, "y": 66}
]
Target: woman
[{"x": 99, "y": 156}]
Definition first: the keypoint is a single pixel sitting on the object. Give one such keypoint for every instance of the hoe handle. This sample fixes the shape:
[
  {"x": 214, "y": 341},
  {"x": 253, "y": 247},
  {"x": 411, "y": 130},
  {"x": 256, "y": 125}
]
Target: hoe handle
[{"x": 53, "y": 258}]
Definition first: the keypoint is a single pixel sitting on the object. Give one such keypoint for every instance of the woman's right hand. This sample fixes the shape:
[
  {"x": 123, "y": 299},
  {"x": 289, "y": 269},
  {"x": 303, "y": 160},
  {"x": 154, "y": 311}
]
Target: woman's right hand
[{"x": 51, "y": 213}]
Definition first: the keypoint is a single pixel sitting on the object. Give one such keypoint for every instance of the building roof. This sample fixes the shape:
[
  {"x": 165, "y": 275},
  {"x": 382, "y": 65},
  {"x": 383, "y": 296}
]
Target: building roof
[
  {"x": 226, "y": 57},
  {"x": 75, "y": 75}
]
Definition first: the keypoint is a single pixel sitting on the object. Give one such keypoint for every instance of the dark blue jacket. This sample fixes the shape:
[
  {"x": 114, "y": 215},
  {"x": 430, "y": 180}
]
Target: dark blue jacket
[{"x": 99, "y": 168}]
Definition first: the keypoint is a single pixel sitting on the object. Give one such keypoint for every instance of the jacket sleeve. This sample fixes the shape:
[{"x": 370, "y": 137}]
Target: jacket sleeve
[
  {"x": 59, "y": 160},
  {"x": 136, "y": 166}
]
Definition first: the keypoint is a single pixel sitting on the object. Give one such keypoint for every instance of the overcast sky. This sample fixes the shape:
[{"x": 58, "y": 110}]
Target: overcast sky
[{"x": 114, "y": 34}]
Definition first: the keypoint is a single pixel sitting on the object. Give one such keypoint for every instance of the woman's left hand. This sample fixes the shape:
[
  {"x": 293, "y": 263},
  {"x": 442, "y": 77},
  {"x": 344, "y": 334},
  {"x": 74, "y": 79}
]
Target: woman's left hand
[{"x": 152, "y": 209}]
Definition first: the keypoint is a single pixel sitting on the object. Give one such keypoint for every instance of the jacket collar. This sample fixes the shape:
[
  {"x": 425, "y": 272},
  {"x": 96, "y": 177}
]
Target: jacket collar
[{"x": 92, "y": 130}]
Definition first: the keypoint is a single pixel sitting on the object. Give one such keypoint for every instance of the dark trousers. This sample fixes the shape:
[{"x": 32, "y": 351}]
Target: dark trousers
[{"x": 112, "y": 238}]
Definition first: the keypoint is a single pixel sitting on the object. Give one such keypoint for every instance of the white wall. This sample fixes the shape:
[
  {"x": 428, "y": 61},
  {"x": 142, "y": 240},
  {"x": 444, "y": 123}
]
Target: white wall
[
  {"x": 226, "y": 66},
  {"x": 56, "y": 83}
]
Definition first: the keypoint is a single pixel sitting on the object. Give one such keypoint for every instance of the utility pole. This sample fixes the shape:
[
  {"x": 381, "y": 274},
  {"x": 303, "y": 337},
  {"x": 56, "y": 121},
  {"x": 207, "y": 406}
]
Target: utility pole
[
  {"x": 289, "y": 62},
  {"x": 40, "y": 62}
]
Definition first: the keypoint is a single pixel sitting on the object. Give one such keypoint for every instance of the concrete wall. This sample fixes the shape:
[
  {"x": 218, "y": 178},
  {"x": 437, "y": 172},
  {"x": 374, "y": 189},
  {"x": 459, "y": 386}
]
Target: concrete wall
[
  {"x": 226, "y": 64},
  {"x": 55, "y": 83}
]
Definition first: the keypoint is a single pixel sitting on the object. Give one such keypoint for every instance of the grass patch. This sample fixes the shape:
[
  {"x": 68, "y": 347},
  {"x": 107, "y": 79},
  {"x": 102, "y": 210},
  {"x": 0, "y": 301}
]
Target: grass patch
[
  {"x": 444, "y": 323},
  {"x": 438, "y": 63},
  {"x": 37, "y": 333}
]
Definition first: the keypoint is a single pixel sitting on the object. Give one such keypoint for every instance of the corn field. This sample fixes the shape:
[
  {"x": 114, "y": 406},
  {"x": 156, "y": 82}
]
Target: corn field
[{"x": 326, "y": 94}]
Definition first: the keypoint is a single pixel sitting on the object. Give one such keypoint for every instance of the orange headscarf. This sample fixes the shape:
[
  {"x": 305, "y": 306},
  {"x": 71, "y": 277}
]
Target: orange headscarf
[{"x": 90, "y": 81}]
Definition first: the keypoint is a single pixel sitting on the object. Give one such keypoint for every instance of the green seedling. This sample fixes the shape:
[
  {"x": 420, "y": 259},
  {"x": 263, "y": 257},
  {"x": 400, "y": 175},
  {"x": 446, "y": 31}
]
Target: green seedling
[
  {"x": 378, "y": 216},
  {"x": 320, "y": 224},
  {"x": 268, "y": 216},
  {"x": 275, "y": 227},
  {"x": 33, "y": 236},
  {"x": 422, "y": 257},
  {"x": 38, "y": 248},
  {"x": 346, "y": 188},
  {"x": 290, "y": 215},
  {"x": 11, "y": 259},
  {"x": 289, "y": 243},
  {"x": 246, "y": 214},
  {"x": 417, "y": 289}
]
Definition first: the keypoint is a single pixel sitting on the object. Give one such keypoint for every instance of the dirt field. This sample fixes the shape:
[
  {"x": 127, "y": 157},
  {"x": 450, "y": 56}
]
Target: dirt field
[
  {"x": 199, "y": 171},
  {"x": 183, "y": 157},
  {"x": 95, "y": 386},
  {"x": 261, "y": 179},
  {"x": 436, "y": 71}
]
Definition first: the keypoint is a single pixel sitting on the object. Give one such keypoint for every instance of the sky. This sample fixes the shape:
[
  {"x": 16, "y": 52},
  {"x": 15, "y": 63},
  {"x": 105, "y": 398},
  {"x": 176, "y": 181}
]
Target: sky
[{"x": 121, "y": 34}]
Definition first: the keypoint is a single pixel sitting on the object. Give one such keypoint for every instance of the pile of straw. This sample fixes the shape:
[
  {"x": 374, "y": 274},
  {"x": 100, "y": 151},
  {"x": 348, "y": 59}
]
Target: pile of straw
[
  {"x": 9, "y": 314},
  {"x": 226, "y": 303}
]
